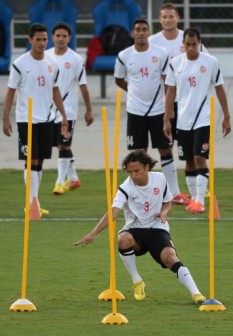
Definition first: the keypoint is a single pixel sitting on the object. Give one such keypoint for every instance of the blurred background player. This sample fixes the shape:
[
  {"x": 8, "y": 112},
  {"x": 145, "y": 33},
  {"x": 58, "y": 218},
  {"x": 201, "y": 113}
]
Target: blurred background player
[
  {"x": 140, "y": 70},
  {"x": 35, "y": 74},
  {"x": 171, "y": 38},
  {"x": 190, "y": 78},
  {"x": 72, "y": 74}
]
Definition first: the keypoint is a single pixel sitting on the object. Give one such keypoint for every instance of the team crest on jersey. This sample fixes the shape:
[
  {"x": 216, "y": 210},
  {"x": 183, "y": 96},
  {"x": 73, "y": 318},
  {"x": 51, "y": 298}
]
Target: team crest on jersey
[
  {"x": 202, "y": 69},
  {"x": 67, "y": 65},
  {"x": 154, "y": 59},
  {"x": 156, "y": 190},
  {"x": 50, "y": 68}
]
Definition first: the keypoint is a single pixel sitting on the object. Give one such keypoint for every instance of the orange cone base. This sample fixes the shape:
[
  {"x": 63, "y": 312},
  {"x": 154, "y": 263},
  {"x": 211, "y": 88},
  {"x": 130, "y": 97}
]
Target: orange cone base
[
  {"x": 107, "y": 295},
  {"x": 212, "y": 305},
  {"x": 35, "y": 211},
  {"x": 22, "y": 305},
  {"x": 114, "y": 319}
]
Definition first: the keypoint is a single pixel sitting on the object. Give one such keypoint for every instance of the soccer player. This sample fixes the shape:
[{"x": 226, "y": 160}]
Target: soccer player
[
  {"x": 72, "y": 73},
  {"x": 35, "y": 75},
  {"x": 171, "y": 38},
  {"x": 140, "y": 70},
  {"x": 190, "y": 78},
  {"x": 145, "y": 198}
]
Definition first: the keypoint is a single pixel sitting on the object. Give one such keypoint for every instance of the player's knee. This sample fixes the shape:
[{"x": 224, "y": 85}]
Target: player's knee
[{"x": 125, "y": 240}]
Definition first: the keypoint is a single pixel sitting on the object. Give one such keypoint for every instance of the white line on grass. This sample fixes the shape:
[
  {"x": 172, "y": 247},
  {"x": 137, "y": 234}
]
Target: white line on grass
[{"x": 93, "y": 219}]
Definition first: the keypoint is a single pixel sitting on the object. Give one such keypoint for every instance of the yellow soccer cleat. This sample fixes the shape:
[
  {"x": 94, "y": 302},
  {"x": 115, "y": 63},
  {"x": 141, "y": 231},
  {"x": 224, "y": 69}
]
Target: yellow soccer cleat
[
  {"x": 58, "y": 189},
  {"x": 199, "y": 298},
  {"x": 139, "y": 291}
]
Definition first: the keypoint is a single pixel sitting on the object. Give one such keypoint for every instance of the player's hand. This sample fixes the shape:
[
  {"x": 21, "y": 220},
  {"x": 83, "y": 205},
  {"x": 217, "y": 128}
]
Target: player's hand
[
  {"x": 89, "y": 118},
  {"x": 167, "y": 129},
  {"x": 64, "y": 126},
  {"x": 7, "y": 128},
  {"x": 89, "y": 238},
  {"x": 162, "y": 216},
  {"x": 226, "y": 126}
]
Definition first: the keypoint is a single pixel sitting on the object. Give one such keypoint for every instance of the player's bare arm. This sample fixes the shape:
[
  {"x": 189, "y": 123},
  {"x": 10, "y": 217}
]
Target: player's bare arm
[
  {"x": 226, "y": 124},
  {"x": 102, "y": 225},
  {"x": 122, "y": 84},
  {"x": 164, "y": 212},
  {"x": 89, "y": 118},
  {"x": 59, "y": 103},
  {"x": 169, "y": 111},
  {"x": 7, "y": 127}
]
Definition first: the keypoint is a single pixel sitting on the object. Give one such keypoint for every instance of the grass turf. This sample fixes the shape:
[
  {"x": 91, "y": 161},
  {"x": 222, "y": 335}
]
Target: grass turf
[{"x": 64, "y": 281}]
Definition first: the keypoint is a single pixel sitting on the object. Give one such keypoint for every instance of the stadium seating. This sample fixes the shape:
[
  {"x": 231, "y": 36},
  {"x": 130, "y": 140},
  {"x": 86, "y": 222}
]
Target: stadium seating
[
  {"x": 50, "y": 12},
  {"x": 5, "y": 36},
  {"x": 105, "y": 13}
]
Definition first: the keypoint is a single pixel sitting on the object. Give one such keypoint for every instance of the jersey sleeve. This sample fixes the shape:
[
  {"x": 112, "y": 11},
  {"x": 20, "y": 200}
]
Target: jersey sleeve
[
  {"x": 170, "y": 78},
  {"x": 120, "y": 68}
]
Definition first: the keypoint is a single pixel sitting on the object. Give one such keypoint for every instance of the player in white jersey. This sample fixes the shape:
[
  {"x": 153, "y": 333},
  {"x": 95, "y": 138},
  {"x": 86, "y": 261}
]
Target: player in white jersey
[
  {"x": 34, "y": 75},
  {"x": 171, "y": 38},
  {"x": 140, "y": 70},
  {"x": 191, "y": 77},
  {"x": 146, "y": 200},
  {"x": 72, "y": 75}
]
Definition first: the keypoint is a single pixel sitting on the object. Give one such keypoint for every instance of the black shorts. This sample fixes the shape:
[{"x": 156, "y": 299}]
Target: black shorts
[
  {"x": 138, "y": 129},
  {"x": 58, "y": 138},
  {"x": 42, "y": 137},
  {"x": 152, "y": 241},
  {"x": 194, "y": 142}
]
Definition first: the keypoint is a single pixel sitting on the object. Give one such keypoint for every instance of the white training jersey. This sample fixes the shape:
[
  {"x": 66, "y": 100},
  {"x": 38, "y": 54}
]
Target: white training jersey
[
  {"x": 140, "y": 204},
  {"x": 36, "y": 79},
  {"x": 72, "y": 74},
  {"x": 194, "y": 81},
  {"x": 175, "y": 46},
  {"x": 143, "y": 71}
]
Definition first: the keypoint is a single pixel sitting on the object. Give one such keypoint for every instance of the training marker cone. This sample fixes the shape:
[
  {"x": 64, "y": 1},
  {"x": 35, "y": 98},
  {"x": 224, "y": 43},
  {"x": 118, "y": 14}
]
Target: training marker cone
[
  {"x": 216, "y": 209},
  {"x": 35, "y": 211}
]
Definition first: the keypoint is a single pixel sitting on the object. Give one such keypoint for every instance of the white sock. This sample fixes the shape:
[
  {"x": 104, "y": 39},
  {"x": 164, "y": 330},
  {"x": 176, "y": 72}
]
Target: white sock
[
  {"x": 40, "y": 173},
  {"x": 186, "y": 279},
  {"x": 72, "y": 174},
  {"x": 130, "y": 263},
  {"x": 202, "y": 182},
  {"x": 170, "y": 172},
  {"x": 191, "y": 183},
  {"x": 62, "y": 167},
  {"x": 34, "y": 184}
]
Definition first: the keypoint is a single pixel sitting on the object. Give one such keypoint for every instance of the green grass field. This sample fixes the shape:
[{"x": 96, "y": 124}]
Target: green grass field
[{"x": 64, "y": 281}]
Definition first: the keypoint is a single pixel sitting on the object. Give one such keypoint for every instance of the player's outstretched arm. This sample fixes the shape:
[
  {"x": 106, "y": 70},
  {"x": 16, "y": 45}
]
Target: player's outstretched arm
[{"x": 102, "y": 225}]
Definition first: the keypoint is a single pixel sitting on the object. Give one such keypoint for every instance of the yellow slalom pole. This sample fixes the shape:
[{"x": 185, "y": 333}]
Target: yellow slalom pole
[
  {"x": 106, "y": 295},
  {"x": 23, "y": 304},
  {"x": 114, "y": 317},
  {"x": 211, "y": 304}
]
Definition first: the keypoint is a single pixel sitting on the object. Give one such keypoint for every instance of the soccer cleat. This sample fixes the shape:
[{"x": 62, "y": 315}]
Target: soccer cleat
[
  {"x": 139, "y": 291},
  {"x": 199, "y": 298},
  {"x": 181, "y": 199},
  {"x": 197, "y": 208},
  {"x": 190, "y": 205},
  {"x": 44, "y": 212},
  {"x": 58, "y": 189},
  {"x": 71, "y": 185}
]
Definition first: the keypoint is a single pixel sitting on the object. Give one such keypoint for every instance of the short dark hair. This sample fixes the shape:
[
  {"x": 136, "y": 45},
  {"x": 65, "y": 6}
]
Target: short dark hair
[
  {"x": 192, "y": 32},
  {"x": 62, "y": 25},
  {"x": 140, "y": 20},
  {"x": 169, "y": 5},
  {"x": 37, "y": 27},
  {"x": 139, "y": 155}
]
